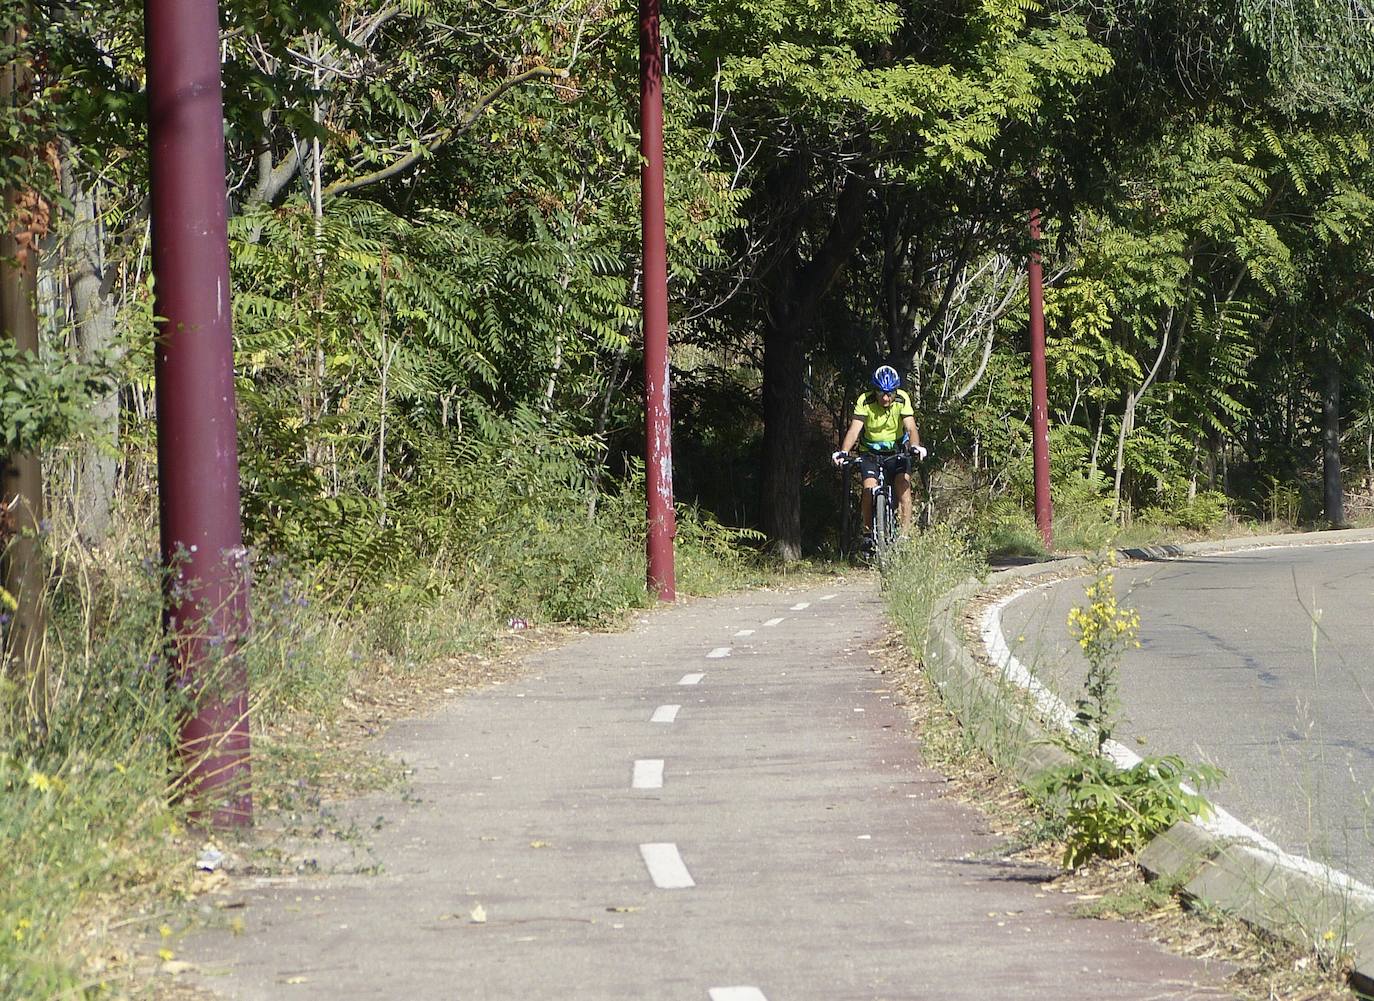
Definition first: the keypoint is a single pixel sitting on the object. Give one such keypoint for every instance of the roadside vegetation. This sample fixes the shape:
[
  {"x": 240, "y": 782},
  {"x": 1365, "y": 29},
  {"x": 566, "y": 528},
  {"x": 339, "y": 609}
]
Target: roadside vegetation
[
  {"x": 94, "y": 834},
  {"x": 1087, "y": 817}
]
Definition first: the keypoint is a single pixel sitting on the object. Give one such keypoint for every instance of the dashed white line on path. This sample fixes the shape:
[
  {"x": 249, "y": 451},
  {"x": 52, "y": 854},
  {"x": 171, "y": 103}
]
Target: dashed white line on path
[
  {"x": 648, "y": 774},
  {"x": 827, "y": 597},
  {"x": 665, "y": 866},
  {"x": 736, "y": 994},
  {"x": 801, "y": 605},
  {"x": 745, "y": 632},
  {"x": 773, "y": 622},
  {"x": 664, "y": 714},
  {"x": 691, "y": 679},
  {"x": 719, "y": 652}
]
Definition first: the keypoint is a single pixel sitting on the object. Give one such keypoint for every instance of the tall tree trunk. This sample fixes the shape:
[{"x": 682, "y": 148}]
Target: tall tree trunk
[
  {"x": 1333, "y": 493},
  {"x": 22, "y": 570},
  {"x": 1128, "y": 412},
  {"x": 783, "y": 396},
  {"x": 1096, "y": 452},
  {"x": 796, "y": 290},
  {"x": 93, "y": 307},
  {"x": 1127, "y": 426},
  {"x": 1213, "y": 460},
  {"x": 1369, "y": 458}
]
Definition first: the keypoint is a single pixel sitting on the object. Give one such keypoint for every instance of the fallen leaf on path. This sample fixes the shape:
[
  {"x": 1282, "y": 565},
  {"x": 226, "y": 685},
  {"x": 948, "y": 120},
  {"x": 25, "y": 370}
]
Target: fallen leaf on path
[
  {"x": 539, "y": 844},
  {"x": 296, "y": 980},
  {"x": 176, "y": 967},
  {"x": 624, "y": 910},
  {"x": 479, "y": 915}
]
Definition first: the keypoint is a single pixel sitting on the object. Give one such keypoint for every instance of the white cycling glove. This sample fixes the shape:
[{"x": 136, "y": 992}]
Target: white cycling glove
[
  {"x": 919, "y": 451},
  {"x": 838, "y": 457}
]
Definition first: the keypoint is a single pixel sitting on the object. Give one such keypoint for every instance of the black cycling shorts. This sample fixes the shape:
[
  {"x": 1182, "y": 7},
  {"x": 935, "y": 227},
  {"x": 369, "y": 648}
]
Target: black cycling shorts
[{"x": 893, "y": 463}]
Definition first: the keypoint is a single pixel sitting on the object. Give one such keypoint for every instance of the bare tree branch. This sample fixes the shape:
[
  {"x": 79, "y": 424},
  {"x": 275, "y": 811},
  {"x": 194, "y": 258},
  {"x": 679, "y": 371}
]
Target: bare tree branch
[{"x": 404, "y": 163}]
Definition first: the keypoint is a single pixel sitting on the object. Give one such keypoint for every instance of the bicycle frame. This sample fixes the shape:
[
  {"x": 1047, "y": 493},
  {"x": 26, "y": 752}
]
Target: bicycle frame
[{"x": 884, "y": 514}]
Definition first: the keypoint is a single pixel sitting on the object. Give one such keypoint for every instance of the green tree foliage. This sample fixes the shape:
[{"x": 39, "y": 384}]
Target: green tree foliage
[{"x": 436, "y": 229}]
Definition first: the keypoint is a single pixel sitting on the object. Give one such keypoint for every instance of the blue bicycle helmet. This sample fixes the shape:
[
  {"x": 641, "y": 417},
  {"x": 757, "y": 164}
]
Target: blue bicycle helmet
[{"x": 886, "y": 379}]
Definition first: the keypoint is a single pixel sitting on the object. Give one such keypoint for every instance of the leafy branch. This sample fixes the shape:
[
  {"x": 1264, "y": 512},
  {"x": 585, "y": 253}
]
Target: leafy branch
[{"x": 469, "y": 119}]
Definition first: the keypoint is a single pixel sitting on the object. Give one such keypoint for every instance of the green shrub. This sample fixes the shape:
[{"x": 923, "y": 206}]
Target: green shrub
[
  {"x": 712, "y": 557},
  {"x": 84, "y": 810},
  {"x": 567, "y": 568},
  {"x": 1110, "y": 812},
  {"x": 919, "y": 571},
  {"x": 1204, "y": 511},
  {"x": 1006, "y": 529}
]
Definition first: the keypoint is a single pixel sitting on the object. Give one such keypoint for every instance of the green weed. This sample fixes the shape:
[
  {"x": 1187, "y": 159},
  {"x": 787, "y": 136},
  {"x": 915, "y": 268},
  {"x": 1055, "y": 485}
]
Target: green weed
[
  {"x": 1110, "y": 812},
  {"x": 919, "y": 571}
]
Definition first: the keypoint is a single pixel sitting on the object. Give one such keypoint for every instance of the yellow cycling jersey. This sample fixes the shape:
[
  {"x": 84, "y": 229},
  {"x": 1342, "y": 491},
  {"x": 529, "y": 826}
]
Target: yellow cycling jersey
[{"x": 883, "y": 425}]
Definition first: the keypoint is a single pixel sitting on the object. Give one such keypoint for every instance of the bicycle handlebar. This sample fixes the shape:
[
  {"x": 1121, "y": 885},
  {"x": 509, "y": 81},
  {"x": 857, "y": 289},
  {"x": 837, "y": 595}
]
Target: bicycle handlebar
[{"x": 843, "y": 459}]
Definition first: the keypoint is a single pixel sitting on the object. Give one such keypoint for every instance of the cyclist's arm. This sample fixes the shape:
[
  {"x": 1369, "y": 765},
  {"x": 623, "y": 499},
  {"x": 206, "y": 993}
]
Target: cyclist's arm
[
  {"x": 915, "y": 436},
  {"x": 851, "y": 437}
]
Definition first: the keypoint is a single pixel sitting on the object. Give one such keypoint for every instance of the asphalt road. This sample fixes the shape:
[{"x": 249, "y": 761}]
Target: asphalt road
[
  {"x": 1259, "y": 662},
  {"x": 722, "y": 804}
]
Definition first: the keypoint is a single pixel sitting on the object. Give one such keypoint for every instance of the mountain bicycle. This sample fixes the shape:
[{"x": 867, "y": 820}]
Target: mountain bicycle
[{"x": 855, "y": 537}]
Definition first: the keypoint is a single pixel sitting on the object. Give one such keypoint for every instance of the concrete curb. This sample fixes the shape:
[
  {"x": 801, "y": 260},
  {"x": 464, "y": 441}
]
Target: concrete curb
[{"x": 1274, "y": 892}]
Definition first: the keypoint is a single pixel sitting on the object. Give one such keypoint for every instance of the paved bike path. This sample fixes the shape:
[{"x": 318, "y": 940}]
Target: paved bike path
[{"x": 823, "y": 861}]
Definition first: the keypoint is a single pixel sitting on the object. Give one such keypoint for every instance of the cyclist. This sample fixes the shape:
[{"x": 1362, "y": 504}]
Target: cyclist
[{"x": 884, "y": 425}]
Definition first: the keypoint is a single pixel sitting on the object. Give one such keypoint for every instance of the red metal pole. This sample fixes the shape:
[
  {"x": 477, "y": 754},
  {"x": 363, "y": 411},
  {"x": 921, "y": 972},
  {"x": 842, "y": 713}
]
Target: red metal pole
[
  {"x": 658, "y": 420},
  {"x": 23, "y": 563},
  {"x": 198, "y": 473},
  {"x": 1040, "y": 425}
]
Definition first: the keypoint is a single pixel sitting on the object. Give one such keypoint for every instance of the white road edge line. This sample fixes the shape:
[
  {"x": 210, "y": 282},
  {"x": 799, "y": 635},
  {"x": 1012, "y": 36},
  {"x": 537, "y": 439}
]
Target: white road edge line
[
  {"x": 745, "y": 632},
  {"x": 665, "y": 866},
  {"x": 773, "y": 622},
  {"x": 1055, "y": 712},
  {"x": 648, "y": 774},
  {"x": 718, "y": 652},
  {"x": 801, "y": 606},
  {"x": 736, "y": 994},
  {"x": 664, "y": 714},
  {"x": 691, "y": 679}
]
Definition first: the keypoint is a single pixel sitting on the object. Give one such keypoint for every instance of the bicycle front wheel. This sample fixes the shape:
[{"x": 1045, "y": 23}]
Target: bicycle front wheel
[{"x": 884, "y": 526}]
